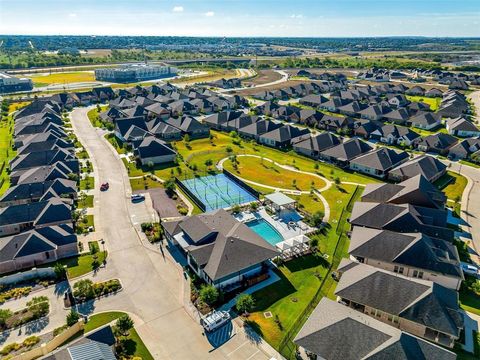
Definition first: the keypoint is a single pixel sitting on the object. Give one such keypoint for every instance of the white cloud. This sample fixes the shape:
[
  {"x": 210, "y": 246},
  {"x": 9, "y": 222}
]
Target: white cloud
[
  {"x": 296, "y": 16},
  {"x": 209, "y": 13},
  {"x": 177, "y": 9},
  {"x": 72, "y": 15}
]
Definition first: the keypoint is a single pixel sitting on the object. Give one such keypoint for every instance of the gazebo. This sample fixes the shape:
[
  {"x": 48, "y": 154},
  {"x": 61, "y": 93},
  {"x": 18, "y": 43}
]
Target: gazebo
[{"x": 279, "y": 201}]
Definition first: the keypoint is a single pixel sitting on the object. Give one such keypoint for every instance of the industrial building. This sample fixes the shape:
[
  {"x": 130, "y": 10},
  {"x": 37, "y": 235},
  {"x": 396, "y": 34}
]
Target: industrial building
[
  {"x": 9, "y": 84},
  {"x": 134, "y": 73}
]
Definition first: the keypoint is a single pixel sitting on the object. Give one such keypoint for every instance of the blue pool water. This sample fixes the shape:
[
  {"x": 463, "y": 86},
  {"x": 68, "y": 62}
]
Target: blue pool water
[{"x": 265, "y": 230}]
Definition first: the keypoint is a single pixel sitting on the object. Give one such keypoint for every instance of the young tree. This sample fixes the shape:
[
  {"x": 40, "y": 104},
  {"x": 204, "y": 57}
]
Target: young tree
[
  {"x": 72, "y": 317},
  {"x": 245, "y": 303},
  {"x": 60, "y": 271},
  {"x": 83, "y": 289},
  {"x": 317, "y": 219},
  {"x": 209, "y": 294},
  {"x": 5, "y": 314},
  {"x": 124, "y": 324}
]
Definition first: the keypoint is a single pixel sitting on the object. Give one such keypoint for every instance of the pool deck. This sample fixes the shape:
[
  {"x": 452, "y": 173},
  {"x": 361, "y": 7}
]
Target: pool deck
[{"x": 281, "y": 225}]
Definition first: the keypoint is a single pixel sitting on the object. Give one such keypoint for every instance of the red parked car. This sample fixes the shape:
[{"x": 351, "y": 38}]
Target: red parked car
[{"x": 104, "y": 186}]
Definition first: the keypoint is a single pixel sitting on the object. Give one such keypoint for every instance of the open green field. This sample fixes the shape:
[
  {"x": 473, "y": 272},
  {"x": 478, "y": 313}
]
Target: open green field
[
  {"x": 433, "y": 102},
  {"x": 196, "y": 153},
  {"x": 144, "y": 183},
  {"x": 267, "y": 173},
  {"x": 6, "y": 152},
  {"x": 62, "y": 78}
]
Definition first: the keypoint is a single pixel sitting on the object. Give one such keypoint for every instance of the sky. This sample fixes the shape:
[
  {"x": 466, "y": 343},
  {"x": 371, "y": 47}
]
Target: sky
[{"x": 298, "y": 18}]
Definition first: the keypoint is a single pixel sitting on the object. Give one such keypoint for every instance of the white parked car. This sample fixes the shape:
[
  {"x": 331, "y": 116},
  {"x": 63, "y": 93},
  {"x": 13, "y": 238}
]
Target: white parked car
[
  {"x": 470, "y": 269},
  {"x": 214, "y": 320}
]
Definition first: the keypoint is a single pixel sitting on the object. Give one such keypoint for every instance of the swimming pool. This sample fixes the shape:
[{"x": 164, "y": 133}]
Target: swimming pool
[{"x": 265, "y": 230}]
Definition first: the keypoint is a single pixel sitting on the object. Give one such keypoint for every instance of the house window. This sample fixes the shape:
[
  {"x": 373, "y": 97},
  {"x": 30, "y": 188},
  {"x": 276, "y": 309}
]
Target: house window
[
  {"x": 418, "y": 274},
  {"x": 398, "y": 269},
  {"x": 47, "y": 254}
]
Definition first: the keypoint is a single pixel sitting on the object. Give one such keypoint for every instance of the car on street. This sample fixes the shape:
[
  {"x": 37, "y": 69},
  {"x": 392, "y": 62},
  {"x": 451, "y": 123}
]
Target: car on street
[
  {"x": 214, "y": 320},
  {"x": 104, "y": 186},
  {"x": 137, "y": 197}
]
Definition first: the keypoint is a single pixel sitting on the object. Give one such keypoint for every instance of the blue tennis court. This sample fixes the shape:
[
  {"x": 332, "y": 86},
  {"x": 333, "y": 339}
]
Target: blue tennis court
[{"x": 218, "y": 191}]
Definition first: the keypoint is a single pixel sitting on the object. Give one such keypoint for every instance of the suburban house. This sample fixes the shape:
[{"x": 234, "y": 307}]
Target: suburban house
[
  {"x": 343, "y": 153},
  {"x": 378, "y": 162},
  {"x": 413, "y": 255},
  {"x": 427, "y": 166},
  {"x": 398, "y": 116},
  {"x": 416, "y": 191},
  {"x": 215, "y": 120},
  {"x": 439, "y": 143},
  {"x": 258, "y": 128},
  {"x": 334, "y": 331},
  {"x": 434, "y": 92},
  {"x": 313, "y": 145},
  {"x": 36, "y": 247},
  {"x": 419, "y": 307},
  {"x": 464, "y": 148},
  {"x": 17, "y": 218},
  {"x": 163, "y": 131},
  {"x": 34, "y": 159},
  {"x": 404, "y": 218},
  {"x": 39, "y": 191},
  {"x": 42, "y": 173},
  {"x": 393, "y": 134},
  {"x": 425, "y": 120},
  {"x": 415, "y": 91},
  {"x": 284, "y": 136},
  {"x": 221, "y": 250},
  {"x": 190, "y": 126},
  {"x": 154, "y": 151},
  {"x": 461, "y": 127}
]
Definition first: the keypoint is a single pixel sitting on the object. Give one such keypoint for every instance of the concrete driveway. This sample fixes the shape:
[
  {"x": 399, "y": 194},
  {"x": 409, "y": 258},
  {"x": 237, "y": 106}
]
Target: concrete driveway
[{"x": 153, "y": 284}]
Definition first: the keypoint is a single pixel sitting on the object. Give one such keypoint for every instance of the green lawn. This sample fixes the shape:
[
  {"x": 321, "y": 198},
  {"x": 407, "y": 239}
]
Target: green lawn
[
  {"x": 87, "y": 202},
  {"x": 143, "y": 184},
  {"x": 80, "y": 265},
  {"x": 93, "y": 116},
  {"x": 470, "y": 296},
  {"x": 433, "y": 102},
  {"x": 452, "y": 184},
  {"x": 6, "y": 151},
  {"x": 197, "y": 152},
  {"x": 309, "y": 203},
  {"x": 116, "y": 143},
  {"x": 266, "y": 173},
  {"x": 97, "y": 320},
  {"x": 87, "y": 183},
  {"x": 83, "y": 154}
]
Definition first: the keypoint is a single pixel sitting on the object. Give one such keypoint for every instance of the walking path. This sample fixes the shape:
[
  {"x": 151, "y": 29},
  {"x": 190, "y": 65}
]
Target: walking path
[{"x": 317, "y": 192}]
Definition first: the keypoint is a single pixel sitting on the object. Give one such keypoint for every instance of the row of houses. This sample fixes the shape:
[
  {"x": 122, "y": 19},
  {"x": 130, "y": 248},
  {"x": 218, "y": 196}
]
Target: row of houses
[
  {"x": 397, "y": 294},
  {"x": 300, "y": 90},
  {"x": 36, "y": 211}
]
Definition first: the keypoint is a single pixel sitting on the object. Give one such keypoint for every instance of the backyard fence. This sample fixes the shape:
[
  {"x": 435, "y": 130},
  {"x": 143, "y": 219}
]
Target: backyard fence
[
  {"x": 287, "y": 348},
  {"x": 190, "y": 194}
]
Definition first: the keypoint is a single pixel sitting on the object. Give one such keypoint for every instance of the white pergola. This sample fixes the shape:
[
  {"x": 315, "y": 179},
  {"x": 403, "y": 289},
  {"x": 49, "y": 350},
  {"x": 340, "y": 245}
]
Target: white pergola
[
  {"x": 294, "y": 245},
  {"x": 279, "y": 201}
]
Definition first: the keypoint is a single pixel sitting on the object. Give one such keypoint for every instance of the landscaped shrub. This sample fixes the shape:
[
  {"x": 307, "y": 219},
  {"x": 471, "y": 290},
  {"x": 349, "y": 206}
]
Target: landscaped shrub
[
  {"x": 85, "y": 289},
  {"x": 31, "y": 341},
  {"x": 10, "y": 348},
  {"x": 14, "y": 293}
]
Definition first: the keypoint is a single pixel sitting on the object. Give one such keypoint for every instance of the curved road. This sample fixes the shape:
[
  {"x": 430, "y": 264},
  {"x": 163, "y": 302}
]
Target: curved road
[{"x": 153, "y": 284}]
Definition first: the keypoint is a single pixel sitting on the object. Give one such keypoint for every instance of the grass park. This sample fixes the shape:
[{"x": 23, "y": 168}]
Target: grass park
[{"x": 45, "y": 79}]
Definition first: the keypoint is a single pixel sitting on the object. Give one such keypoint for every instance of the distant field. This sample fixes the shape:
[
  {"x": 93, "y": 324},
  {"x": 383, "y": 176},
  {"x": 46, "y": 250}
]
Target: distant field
[
  {"x": 63, "y": 77},
  {"x": 263, "y": 77}
]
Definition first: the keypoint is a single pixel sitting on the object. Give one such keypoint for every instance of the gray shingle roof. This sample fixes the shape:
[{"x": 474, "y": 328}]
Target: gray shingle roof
[
  {"x": 415, "y": 250},
  {"x": 334, "y": 331},
  {"x": 381, "y": 159},
  {"x": 427, "y": 166},
  {"x": 223, "y": 244},
  {"x": 423, "y": 302}
]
